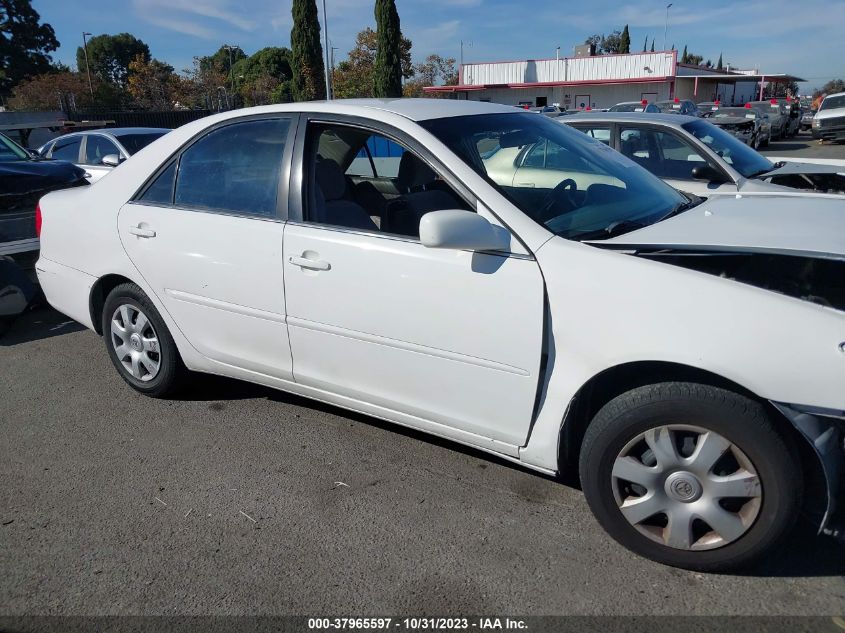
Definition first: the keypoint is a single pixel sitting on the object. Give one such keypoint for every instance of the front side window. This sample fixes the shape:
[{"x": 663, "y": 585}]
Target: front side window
[
  {"x": 11, "y": 151},
  {"x": 600, "y": 133},
  {"x": 234, "y": 169},
  {"x": 664, "y": 154},
  {"x": 67, "y": 149},
  {"x": 587, "y": 191},
  {"x": 135, "y": 142},
  {"x": 734, "y": 152},
  {"x": 369, "y": 182},
  {"x": 96, "y": 147}
]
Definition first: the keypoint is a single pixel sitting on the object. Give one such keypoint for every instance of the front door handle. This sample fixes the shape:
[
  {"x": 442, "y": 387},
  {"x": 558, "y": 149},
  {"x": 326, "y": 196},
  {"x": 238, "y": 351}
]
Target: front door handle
[
  {"x": 310, "y": 264},
  {"x": 140, "y": 231}
]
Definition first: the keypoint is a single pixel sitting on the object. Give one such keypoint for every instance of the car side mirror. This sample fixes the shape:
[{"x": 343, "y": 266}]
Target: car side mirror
[
  {"x": 462, "y": 230},
  {"x": 707, "y": 172},
  {"x": 111, "y": 160}
]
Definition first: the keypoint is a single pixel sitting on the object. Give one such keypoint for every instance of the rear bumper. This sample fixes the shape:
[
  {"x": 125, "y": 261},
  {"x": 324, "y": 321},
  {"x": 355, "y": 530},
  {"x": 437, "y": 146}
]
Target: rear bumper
[{"x": 66, "y": 289}]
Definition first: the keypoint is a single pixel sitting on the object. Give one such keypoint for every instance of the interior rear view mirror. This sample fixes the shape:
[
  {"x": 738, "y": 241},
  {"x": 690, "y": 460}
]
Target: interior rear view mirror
[{"x": 462, "y": 230}]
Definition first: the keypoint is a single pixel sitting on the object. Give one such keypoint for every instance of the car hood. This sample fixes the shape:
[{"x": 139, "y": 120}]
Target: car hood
[
  {"x": 804, "y": 226},
  {"x": 729, "y": 120},
  {"x": 790, "y": 168},
  {"x": 832, "y": 113},
  {"x": 28, "y": 175}
]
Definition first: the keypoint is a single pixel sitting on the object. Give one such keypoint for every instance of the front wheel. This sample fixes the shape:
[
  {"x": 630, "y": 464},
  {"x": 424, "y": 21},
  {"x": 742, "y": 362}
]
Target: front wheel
[
  {"x": 139, "y": 344},
  {"x": 690, "y": 475}
]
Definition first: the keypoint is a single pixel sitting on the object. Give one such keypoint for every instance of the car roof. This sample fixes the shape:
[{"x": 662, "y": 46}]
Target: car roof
[
  {"x": 835, "y": 94},
  {"x": 674, "y": 120},
  {"x": 117, "y": 131}
]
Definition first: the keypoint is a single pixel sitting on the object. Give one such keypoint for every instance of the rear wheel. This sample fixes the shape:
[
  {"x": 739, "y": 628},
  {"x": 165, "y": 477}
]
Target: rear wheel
[
  {"x": 139, "y": 344},
  {"x": 690, "y": 475}
]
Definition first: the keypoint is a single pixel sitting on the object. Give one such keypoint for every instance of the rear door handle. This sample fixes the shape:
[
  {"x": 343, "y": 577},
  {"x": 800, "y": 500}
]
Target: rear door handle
[
  {"x": 141, "y": 231},
  {"x": 310, "y": 264}
]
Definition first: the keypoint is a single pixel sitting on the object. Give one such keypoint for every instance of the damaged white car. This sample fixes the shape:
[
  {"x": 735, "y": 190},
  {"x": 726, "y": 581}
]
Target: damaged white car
[{"x": 687, "y": 357}]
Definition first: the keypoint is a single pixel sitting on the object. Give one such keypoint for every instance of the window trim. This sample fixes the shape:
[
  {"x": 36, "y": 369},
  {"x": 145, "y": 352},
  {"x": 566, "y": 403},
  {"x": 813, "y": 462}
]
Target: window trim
[
  {"x": 299, "y": 189},
  {"x": 77, "y": 135},
  {"x": 282, "y": 195},
  {"x": 84, "y": 152}
]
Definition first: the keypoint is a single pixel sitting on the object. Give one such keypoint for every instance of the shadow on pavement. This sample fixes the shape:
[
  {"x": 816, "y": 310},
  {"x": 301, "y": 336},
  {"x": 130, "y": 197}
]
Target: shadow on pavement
[
  {"x": 36, "y": 324},
  {"x": 804, "y": 553}
]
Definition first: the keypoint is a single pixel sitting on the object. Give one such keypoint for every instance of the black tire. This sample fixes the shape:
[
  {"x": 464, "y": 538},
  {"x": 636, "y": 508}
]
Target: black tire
[
  {"x": 741, "y": 421},
  {"x": 172, "y": 374}
]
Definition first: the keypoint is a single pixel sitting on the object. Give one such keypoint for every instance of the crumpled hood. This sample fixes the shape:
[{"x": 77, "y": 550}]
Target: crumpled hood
[
  {"x": 790, "y": 168},
  {"x": 729, "y": 120},
  {"x": 18, "y": 177},
  {"x": 806, "y": 226}
]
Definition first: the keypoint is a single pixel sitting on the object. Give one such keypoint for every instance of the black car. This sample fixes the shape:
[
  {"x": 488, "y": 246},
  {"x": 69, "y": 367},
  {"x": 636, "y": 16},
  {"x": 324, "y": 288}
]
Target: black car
[{"x": 24, "y": 179}]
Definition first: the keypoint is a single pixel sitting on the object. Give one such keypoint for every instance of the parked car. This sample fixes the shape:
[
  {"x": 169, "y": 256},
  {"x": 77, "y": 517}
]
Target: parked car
[
  {"x": 807, "y": 119},
  {"x": 100, "y": 151},
  {"x": 602, "y": 318},
  {"x": 746, "y": 124},
  {"x": 778, "y": 116},
  {"x": 678, "y": 106},
  {"x": 693, "y": 155},
  {"x": 708, "y": 106},
  {"x": 23, "y": 180},
  {"x": 549, "y": 110},
  {"x": 829, "y": 122},
  {"x": 634, "y": 106}
]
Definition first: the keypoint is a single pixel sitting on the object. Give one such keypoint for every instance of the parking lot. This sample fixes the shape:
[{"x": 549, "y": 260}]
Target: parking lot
[
  {"x": 236, "y": 499},
  {"x": 803, "y": 146}
]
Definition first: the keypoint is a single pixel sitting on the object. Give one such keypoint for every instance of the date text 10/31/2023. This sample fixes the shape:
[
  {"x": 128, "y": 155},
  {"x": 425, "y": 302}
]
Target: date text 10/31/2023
[{"x": 414, "y": 624}]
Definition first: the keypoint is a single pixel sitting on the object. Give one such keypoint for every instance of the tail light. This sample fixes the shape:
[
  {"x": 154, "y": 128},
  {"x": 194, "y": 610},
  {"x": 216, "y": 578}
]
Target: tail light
[{"x": 38, "y": 220}]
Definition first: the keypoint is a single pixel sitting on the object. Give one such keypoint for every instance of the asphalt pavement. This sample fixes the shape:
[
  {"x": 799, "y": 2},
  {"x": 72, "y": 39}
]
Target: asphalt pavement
[
  {"x": 236, "y": 499},
  {"x": 803, "y": 146}
]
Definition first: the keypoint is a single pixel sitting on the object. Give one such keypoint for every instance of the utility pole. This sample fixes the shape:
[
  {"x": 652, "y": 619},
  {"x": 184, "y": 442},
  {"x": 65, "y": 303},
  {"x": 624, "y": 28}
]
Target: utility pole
[
  {"x": 328, "y": 52},
  {"x": 87, "y": 65},
  {"x": 333, "y": 49},
  {"x": 666, "y": 26},
  {"x": 230, "y": 48},
  {"x": 461, "y": 66}
]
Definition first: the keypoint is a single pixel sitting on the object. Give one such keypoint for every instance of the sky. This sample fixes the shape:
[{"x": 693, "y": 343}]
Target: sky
[{"x": 778, "y": 36}]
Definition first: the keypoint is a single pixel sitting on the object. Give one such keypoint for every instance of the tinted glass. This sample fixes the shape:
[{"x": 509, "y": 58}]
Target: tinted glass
[
  {"x": 733, "y": 151},
  {"x": 234, "y": 169},
  {"x": 161, "y": 189},
  {"x": 136, "y": 142},
  {"x": 67, "y": 149},
  {"x": 11, "y": 151},
  {"x": 96, "y": 147},
  {"x": 599, "y": 133},
  {"x": 664, "y": 154},
  {"x": 829, "y": 103},
  {"x": 585, "y": 191}
]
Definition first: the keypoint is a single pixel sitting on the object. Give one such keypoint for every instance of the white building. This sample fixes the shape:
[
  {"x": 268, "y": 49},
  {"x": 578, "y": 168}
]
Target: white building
[{"x": 601, "y": 81}]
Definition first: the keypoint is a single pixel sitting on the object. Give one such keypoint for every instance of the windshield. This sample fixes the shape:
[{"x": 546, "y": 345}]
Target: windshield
[
  {"x": 134, "y": 143},
  {"x": 733, "y": 151},
  {"x": 575, "y": 186},
  {"x": 627, "y": 107},
  {"x": 829, "y": 103},
  {"x": 11, "y": 151},
  {"x": 669, "y": 106}
]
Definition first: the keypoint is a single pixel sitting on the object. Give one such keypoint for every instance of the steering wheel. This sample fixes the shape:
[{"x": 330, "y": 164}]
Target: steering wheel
[{"x": 563, "y": 192}]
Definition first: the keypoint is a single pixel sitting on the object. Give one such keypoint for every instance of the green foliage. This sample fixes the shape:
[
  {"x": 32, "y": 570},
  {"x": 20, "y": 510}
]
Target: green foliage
[
  {"x": 645, "y": 44},
  {"x": 719, "y": 65},
  {"x": 109, "y": 56},
  {"x": 625, "y": 41},
  {"x": 264, "y": 77},
  {"x": 309, "y": 79},
  {"x": 387, "y": 78},
  {"x": 607, "y": 44},
  {"x": 220, "y": 60},
  {"x": 25, "y": 43},
  {"x": 833, "y": 86},
  {"x": 652, "y": 44}
]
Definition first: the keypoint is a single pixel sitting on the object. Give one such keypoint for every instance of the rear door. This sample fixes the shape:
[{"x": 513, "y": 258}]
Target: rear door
[
  {"x": 94, "y": 149},
  {"x": 206, "y": 234}
]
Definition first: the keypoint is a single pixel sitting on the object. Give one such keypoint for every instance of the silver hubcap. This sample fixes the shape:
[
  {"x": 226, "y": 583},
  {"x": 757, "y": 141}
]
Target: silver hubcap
[
  {"x": 135, "y": 342},
  {"x": 686, "y": 487}
]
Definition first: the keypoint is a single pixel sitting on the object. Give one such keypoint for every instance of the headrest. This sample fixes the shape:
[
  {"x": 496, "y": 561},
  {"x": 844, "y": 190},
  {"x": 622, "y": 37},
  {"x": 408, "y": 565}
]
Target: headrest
[
  {"x": 330, "y": 179},
  {"x": 413, "y": 172}
]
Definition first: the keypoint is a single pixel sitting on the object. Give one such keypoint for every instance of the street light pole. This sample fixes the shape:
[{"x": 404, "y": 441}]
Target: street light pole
[
  {"x": 328, "y": 52},
  {"x": 666, "y": 26},
  {"x": 87, "y": 65}
]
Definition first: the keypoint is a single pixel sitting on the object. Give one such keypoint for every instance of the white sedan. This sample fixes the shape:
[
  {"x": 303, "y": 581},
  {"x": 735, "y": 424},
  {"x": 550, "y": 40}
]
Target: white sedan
[{"x": 688, "y": 357}]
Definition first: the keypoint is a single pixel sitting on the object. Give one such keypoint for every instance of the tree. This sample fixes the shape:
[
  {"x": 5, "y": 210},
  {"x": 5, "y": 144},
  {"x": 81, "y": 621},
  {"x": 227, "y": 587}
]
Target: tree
[
  {"x": 25, "y": 43},
  {"x": 833, "y": 86},
  {"x": 354, "y": 76},
  {"x": 152, "y": 85},
  {"x": 435, "y": 70},
  {"x": 387, "y": 76},
  {"x": 625, "y": 41},
  {"x": 645, "y": 45},
  {"x": 264, "y": 77},
  {"x": 109, "y": 56},
  {"x": 54, "y": 91},
  {"x": 309, "y": 78},
  {"x": 684, "y": 56},
  {"x": 652, "y": 44},
  {"x": 607, "y": 44},
  {"x": 719, "y": 65}
]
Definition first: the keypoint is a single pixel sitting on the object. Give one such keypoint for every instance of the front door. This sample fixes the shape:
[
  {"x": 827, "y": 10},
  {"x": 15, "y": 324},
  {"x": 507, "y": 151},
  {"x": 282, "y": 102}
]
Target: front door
[
  {"x": 450, "y": 337},
  {"x": 582, "y": 102},
  {"x": 207, "y": 238}
]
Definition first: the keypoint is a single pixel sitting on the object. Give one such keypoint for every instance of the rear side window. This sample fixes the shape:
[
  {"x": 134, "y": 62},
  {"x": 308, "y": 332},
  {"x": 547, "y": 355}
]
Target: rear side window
[
  {"x": 67, "y": 149},
  {"x": 161, "y": 189},
  {"x": 234, "y": 169}
]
